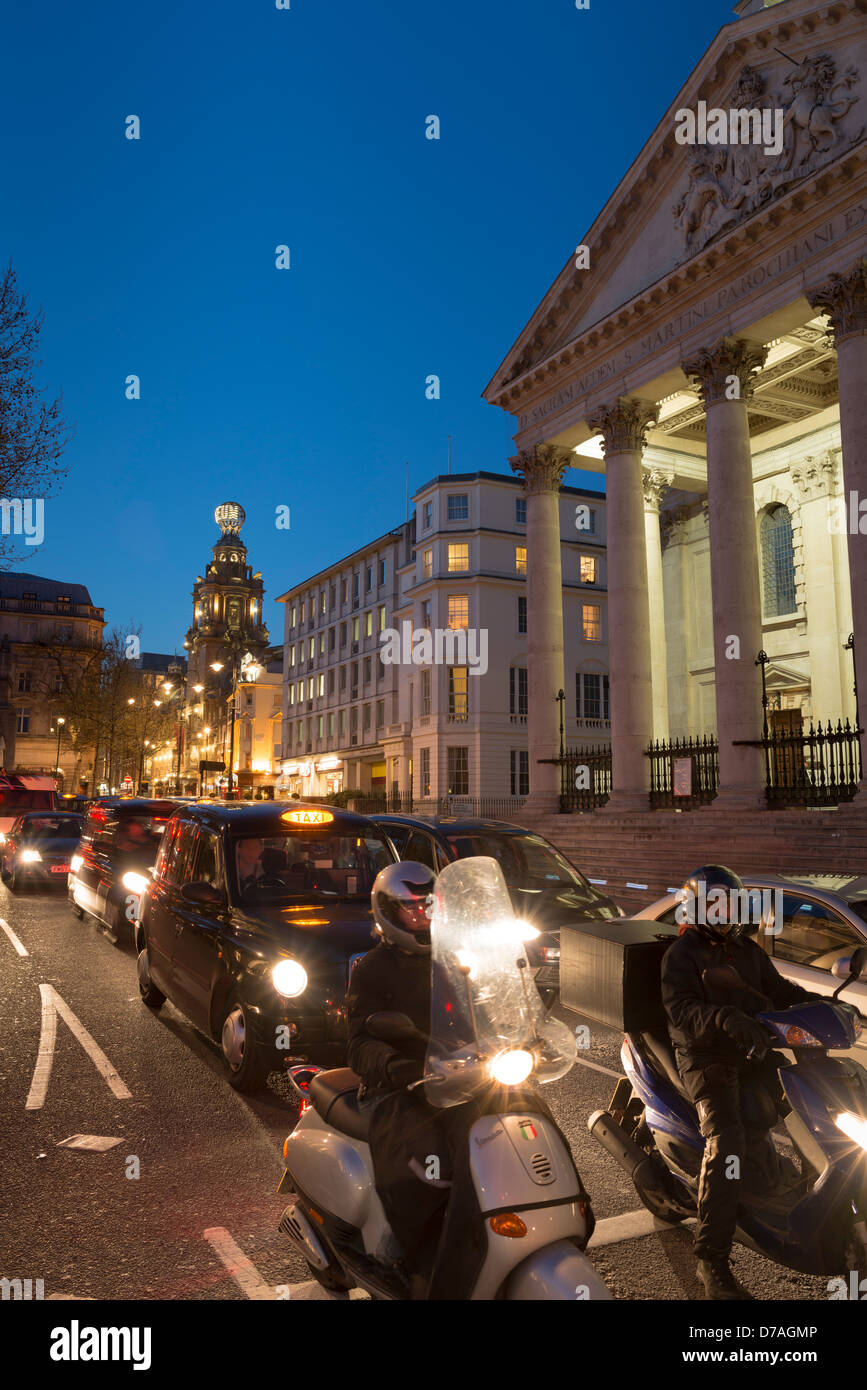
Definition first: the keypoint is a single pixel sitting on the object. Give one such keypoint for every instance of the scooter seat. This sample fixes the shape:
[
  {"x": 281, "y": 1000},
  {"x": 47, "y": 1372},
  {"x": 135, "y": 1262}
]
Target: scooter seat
[
  {"x": 658, "y": 1045},
  {"x": 334, "y": 1095}
]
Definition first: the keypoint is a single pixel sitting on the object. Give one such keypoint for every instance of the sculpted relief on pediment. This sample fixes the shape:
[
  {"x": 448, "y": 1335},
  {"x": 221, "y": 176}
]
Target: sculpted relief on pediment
[{"x": 728, "y": 181}]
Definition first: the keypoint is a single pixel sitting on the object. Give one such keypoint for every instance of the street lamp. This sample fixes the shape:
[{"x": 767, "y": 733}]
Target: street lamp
[{"x": 59, "y": 722}]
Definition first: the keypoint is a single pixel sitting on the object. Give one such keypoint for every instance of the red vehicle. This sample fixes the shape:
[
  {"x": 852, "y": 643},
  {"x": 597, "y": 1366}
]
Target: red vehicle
[{"x": 18, "y": 795}]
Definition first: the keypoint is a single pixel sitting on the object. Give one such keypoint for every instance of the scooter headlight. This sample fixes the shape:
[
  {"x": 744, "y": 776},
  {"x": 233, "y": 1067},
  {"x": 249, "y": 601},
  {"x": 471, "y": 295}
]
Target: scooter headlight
[
  {"x": 512, "y": 1067},
  {"x": 289, "y": 978},
  {"x": 854, "y": 1126}
]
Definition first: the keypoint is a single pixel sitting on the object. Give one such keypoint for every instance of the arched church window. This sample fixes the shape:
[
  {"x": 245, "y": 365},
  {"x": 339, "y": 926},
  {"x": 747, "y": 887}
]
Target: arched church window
[{"x": 778, "y": 562}]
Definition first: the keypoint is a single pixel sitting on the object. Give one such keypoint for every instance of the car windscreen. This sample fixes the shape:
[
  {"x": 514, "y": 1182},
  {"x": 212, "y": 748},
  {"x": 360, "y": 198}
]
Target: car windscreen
[
  {"x": 530, "y": 865},
  {"x": 270, "y": 868},
  {"x": 12, "y": 803},
  {"x": 50, "y": 828}
]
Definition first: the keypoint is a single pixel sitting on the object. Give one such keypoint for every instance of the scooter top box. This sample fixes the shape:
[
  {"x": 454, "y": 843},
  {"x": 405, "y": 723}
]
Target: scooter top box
[{"x": 610, "y": 972}]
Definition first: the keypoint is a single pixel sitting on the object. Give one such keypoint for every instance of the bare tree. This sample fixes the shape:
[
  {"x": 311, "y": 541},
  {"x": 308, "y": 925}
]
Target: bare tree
[{"x": 33, "y": 435}]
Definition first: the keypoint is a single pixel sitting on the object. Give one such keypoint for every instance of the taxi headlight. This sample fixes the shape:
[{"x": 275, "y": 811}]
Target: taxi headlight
[
  {"x": 512, "y": 1067},
  {"x": 30, "y": 856},
  {"x": 75, "y": 863},
  {"x": 289, "y": 978},
  {"x": 133, "y": 882}
]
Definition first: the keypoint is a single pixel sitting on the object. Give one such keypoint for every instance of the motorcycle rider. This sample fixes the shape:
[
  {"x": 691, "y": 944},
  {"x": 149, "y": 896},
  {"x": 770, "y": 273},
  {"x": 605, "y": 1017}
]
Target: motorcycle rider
[
  {"x": 405, "y": 1132},
  {"x": 712, "y": 1041}
]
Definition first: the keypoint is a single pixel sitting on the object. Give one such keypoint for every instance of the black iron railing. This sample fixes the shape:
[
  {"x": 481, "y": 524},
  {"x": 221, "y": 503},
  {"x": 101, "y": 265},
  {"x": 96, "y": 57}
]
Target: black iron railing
[
  {"x": 585, "y": 777},
  {"x": 684, "y": 772},
  {"x": 821, "y": 767},
  {"x": 477, "y": 807}
]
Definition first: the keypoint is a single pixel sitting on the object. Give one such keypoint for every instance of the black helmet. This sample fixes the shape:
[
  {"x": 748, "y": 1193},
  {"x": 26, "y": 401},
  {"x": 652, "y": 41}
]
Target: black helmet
[
  {"x": 715, "y": 900},
  {"x": 402, "y": 902}
]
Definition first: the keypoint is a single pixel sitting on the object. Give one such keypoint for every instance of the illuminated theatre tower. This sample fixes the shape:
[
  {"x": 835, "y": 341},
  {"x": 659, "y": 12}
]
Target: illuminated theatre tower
[{"x": 227, "y": 625}]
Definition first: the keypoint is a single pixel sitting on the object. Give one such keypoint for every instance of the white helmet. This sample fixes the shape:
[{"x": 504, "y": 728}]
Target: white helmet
[{"x": 402, "y": 902}]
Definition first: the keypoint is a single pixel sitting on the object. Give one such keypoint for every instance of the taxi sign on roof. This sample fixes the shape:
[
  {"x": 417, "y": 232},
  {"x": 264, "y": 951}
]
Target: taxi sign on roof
[{"x": 308, "y": 817}]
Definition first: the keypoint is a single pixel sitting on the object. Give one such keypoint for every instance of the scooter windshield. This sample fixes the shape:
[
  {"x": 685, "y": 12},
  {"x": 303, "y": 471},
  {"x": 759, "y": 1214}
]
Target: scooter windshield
[{"x": 488, "y": 1023}]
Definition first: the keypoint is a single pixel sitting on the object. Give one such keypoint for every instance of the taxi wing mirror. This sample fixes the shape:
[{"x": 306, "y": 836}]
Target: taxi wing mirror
[{"x": 202, "y": 895}]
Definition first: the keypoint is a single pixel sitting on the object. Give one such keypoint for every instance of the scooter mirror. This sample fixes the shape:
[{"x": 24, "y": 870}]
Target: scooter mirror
[
  {"x": 851, "y": 967},
  {"x": 391, "y": 1027}
]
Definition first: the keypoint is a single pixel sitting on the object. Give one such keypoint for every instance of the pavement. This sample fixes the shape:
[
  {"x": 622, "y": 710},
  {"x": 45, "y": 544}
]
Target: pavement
[{"x": 174, "y": 1194}]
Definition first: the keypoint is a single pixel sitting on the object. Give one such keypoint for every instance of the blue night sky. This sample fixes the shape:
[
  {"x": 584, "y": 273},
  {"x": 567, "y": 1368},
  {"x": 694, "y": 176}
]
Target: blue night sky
[{"x": 306, "y": 127}]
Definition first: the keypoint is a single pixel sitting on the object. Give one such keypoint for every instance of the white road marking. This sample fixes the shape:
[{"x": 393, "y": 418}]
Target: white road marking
[
  {"x": 597, "y": 880},
  {"x": 628, "y": 1226},
  {"x": 93, "y": 1143},
  {"x": 636, "y": 885},
  {"x": 595, "y": 1066},
  {"x": 22, "y": 950},
  {"x": 52, "y": 1005},
  {"x": 242, "y": 1270}
]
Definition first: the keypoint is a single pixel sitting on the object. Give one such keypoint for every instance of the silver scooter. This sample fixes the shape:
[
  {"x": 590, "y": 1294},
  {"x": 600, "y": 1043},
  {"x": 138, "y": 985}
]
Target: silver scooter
[{"x": 533, "y": 1211}]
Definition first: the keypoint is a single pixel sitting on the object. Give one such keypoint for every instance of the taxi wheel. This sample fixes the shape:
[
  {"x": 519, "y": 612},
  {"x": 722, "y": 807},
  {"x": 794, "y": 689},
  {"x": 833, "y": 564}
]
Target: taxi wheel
[
  {"x": 14, "y": 882},
  {"x": 153, "y": 997},
  {"x": 247, "y": 1071},
  {"x": 79, "y": 911}
]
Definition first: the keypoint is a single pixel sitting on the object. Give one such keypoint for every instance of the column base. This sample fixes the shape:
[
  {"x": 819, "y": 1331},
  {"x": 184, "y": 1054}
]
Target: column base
[
  {"x": 541, "y": 804},
  {"x": 737, "y": 799},
  {"x": 620, "y": 802}
]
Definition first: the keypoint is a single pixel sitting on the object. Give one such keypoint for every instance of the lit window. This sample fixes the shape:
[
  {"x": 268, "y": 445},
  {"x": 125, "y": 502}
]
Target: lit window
[
  {"x": 321, "y": 689},
  {"x": 355, "y": 629},
  {"x": 459, "y": 557},
  {"x": 427, "y": 517},
  {"x": 591, "y": 622},
  {"x": 778, "y": 562},
  {"x": 427, "y": 563},
  {"x": 459, "y": 610},
  {"x": 520, "y": 559},
  {"x": 292, "y": 655},
  {"x": 459, "y": 692},
  {"x": 588, "y": 569},
  {"x": 425, "y": 690},
  {"x": 368, "y": 623},
  {"x": 381, "y": 613}
]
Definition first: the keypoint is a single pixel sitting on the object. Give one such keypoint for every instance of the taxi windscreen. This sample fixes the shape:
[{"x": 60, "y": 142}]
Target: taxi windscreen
[{"x": 268, "y": 868}]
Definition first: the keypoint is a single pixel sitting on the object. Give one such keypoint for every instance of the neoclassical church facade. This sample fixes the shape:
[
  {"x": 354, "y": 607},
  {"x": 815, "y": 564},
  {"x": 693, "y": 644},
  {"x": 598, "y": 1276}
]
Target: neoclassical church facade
[{"x": 708, "y": 352}]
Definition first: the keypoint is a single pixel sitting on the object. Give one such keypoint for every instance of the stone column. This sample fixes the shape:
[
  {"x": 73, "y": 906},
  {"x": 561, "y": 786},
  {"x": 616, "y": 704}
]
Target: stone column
[
  {"x": 844, "y": 300},
  {"x": 655, "y": 484},
  {"x": 816, "y": 482},
  {"x": 542, "y": 469},
  {"x": 623, "y": 426},
  {"x": 724, "y": 376}
]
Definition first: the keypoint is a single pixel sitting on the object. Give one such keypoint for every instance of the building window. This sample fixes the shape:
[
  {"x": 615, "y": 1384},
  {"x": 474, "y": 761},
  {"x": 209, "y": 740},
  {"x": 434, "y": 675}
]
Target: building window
[
  {"x": 459, "y": 507},
  {"x": 425, "y": 614},
  {"x": 520, "y": 559},
  {"x": 292, "y": 655},
  {"x": 459, "y": 557},
  {"x": 368, "y": 579},
  {"x": 368, "y": 623},
  {"x": 459, "y": 693},
  {"x": 320, "y": 689},
  {"x": 427, "y": 564},
  {"x": 588, "y": 569},
  {"x": 331, "y": 725},
  {"x": 23, "y": 682},
  {"x": 427, "y": 516},
  {"x": 292, "y": 694},
  {"x": 323, "y": 602},
  {"x": 518, "y": 690},
  {"x": 519, "y": 777},
  {"x": 303, "y": 610},
  {"x": 381, "y": 617},
  {"x": 356, "y": 627},
  {"x": 365, "y": 723},
  {"x": 332, "y": 638},
  {"x": 22, "y": 721},
  {"x": 28, "y": 632},
  {"x": 591, "y": 695},
  {"x": 331, "y": 681},
  {"x": 425, "y": 690},
  {"x": 311, "y": 648},
  {"x": 458, "y": 765},
  {"x": 333, "y": 597},
  {"x": 520, "y": 511},
  {"x": 343, "y": 635},
  {"x": 778, "y": 562},
  {"x": 522, "y": 613},
  {"x": 310, "y": 688},
  {"x": 322, "y": 644},
  {"x": 344, "y": 591},
  {"x": 591, "y": 622},
  {"x": 356, "y": 582},
  {"x": 294, "y": 619},
  {"x": 367, "y": 670},
  {"x": 381, "y": 571},
  {"x": 424, "y": 772},
  {"x": 353, "y": 686},
  {"x": 459, "y": 610},
  {"x": 380, "y": 713},
  {"x": 320, "y": 725},
  {"x": 342, "y": 723}
]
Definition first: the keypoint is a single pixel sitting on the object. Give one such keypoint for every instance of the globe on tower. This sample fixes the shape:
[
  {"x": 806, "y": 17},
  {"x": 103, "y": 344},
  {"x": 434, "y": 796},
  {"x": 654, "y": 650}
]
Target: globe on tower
[{"x": 230, "y": 517}]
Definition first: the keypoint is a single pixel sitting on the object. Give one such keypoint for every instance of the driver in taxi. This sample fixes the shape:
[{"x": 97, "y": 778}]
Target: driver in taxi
[{"x": 249, "y": 862}]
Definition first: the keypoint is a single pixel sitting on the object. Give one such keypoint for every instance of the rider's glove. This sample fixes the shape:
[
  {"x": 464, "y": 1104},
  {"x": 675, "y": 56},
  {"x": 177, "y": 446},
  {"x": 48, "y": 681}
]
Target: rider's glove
[
  {"x": 746, "y": 1032},
  {"x": 402, "y": 1071}
]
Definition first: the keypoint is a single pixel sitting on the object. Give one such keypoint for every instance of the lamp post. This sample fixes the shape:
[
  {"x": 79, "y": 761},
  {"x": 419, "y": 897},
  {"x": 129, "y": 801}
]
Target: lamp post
[{"x": 59, "y": 722}]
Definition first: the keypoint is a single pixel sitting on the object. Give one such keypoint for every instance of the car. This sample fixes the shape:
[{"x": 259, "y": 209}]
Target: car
[
  {"x": 38, "y": 848},
  {"x": 546, "y": 890},
  {"x": 251, "y": 924},
  {"x": 119, "y": 844},
  {"x": 824, "y": 917}
]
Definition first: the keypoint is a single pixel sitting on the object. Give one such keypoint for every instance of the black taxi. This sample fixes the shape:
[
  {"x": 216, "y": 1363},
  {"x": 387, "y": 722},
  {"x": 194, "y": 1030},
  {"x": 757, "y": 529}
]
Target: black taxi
[
  {"x": 251, "y": 924},
  {"x": 110, "y": 868}
]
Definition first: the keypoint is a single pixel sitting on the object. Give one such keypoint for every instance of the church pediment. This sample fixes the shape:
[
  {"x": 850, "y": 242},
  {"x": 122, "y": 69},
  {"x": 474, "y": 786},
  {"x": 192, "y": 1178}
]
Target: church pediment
[{"x": 779, "y": 96}]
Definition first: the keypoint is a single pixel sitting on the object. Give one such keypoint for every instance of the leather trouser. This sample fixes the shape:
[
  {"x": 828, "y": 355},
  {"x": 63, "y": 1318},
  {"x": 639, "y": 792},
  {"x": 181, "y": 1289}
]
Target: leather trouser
[{"x": 735, "y": 1156}]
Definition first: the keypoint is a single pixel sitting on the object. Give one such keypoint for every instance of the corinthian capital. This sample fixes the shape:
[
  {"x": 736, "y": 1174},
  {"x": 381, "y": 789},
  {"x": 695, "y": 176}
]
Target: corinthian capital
[
  {"x": 623, "y": 424},
  {"x": 726, "y": 372},
  {"x": 844, "y": 299},
  {"x": 655, "y": 483},
  {"x": 542, "y": 467}
]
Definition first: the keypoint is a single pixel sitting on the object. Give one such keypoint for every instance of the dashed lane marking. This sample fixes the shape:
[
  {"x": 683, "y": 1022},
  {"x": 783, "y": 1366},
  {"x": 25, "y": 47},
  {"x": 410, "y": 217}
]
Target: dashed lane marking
[
  {"x": 242, "y": 1270},
  {"x": 628, "y": 1226},
  {"x": 22, "y": 950},
  {"x": 52, "y": 1005},
  {"x": 596, "y": 1066}
]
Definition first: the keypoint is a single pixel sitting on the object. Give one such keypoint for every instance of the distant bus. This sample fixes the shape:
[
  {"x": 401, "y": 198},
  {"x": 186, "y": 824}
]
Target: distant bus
[{"x": 20, "y": 794}]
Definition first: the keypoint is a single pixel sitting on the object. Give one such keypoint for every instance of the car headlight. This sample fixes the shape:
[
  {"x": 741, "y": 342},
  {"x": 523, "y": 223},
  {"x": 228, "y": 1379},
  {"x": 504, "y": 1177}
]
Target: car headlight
[
  {"x": 512, "y": 1067},
  {"x": 289, "y": 978},
  {"x": 30, "y": 856},
  {"x": 135, "y": 883},
  {"x": 854, "y": 1126},
  {"x": 75, "y": 863}
]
